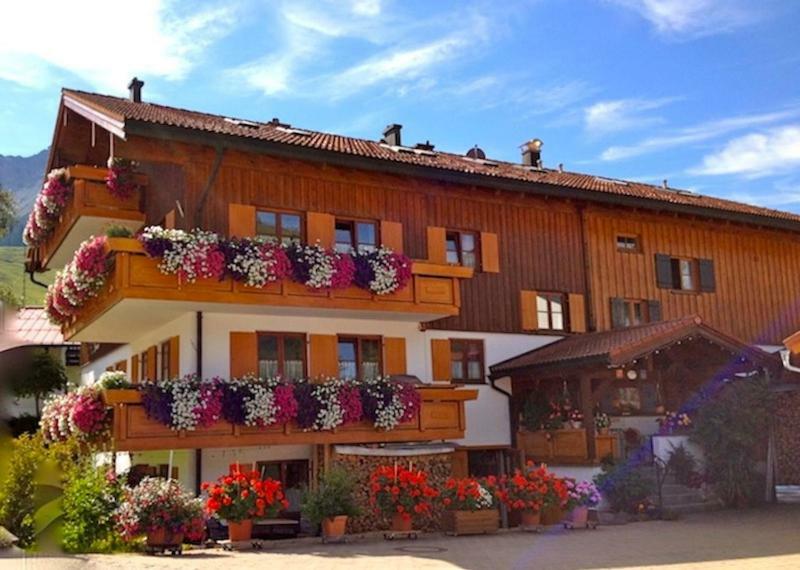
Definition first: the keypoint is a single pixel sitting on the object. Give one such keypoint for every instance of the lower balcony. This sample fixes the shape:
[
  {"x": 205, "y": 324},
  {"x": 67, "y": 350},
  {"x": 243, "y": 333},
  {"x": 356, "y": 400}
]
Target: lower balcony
[
  {"x": 137, "y": 298},
  {"x": 566, "y": 446},
  {"x": 441, "y": 417}
]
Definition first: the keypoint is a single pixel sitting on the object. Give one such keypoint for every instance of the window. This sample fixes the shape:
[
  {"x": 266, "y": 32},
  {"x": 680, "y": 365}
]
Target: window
[
  {"x": 144, "y": 366},
  {"x": 165, "y": 361},
  {"x": 359, "y": 357},
  {"x": 284, "y": 227},
  {"x": 628, "y": 244},
  {"x": 462, "y": 248},
  {"x": 635, "y": 313},
  {"x": 550, "y": 311},
  {"x": 282, "y": 355},
  {"x": 466, "y": 360},
  {"x": 293, "y": 476},
  {"x": 356, "y": 235},
  {"x": 684, "y": 273}
]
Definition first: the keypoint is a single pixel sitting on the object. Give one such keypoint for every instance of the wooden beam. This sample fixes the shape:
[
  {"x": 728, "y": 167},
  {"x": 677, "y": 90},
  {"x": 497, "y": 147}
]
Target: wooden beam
[{"x": 587, "y": 407}]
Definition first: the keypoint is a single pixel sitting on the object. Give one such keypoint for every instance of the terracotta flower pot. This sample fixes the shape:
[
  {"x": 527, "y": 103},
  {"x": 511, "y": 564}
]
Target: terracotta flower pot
[
  {"x": 531, "y": 519},
  {"x": 579, "y": 516},
  {"x": 334, "y": 527},
  {"x": 401, "y": 523},
  {"x": 239, "y": 531},
  {"x": 164, "y": 537}
]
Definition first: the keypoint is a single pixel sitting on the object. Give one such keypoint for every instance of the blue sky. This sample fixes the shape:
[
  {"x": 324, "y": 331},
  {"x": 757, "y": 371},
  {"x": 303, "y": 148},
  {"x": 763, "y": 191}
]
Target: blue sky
[{"x": 704, "y": 93}]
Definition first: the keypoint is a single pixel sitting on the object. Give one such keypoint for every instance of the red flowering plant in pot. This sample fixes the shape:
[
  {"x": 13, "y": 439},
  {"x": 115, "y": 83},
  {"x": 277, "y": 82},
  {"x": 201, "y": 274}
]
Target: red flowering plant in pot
[
  {"x": 240, "y": 497},
  {"x": 401, "y": 494},
  {"x": 470, "y": 505},
  {"x": 529, "y": 491}
]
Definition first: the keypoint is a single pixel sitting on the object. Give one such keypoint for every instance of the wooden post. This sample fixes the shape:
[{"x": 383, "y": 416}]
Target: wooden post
[{"x": 587, "y": 407}]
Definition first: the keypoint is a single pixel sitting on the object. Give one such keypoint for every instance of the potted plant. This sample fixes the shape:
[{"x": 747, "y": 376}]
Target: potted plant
[
  {"x": 401, "y": 494},
  {"x": 602, "y": 422},
  {"x": 470, "y": 506},
  {"x": 331, "y": 503},
  {"x": 160, "y": 509},
  {"x": 581, "y": 496},
  {"x": 624, "y": 487},
  {"x": 117, "y": 388},
  {"x": 575, "y": 419},
  {"x": 238, "y": 498},
  {"x": 525, "y": 491},
  {"x": 555, "y": 500}
]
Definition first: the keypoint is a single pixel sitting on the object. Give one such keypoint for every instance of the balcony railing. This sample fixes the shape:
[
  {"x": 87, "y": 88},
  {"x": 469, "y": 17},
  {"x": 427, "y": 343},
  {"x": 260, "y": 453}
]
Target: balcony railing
[
  {"x": 137, "y": 297},
  {"x": 90, "y": 210},
  {"x": 441, "y": 417},
  {"x": 565, "y": 446}
]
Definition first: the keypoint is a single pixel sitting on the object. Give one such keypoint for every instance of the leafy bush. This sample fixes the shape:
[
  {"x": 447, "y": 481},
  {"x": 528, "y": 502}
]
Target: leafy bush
[
  {"x": 623, "y": 486},
  {"x": 25, "y": 423},
  {"x": 682, "y": 464},
  {"x": 118, "y": 231},
  {"x": 335, "y": 496},
  {"x": 114, "y": 380},
  {"x": 91, "y": 495},
  {"x": 731, "y": 427},
  {"x": 18, "y": 488}
]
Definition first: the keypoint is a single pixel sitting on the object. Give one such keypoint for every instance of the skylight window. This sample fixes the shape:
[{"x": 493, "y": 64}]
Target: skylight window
[
  {"x": 241, "y": 122},
  {"x": 610, "y": 181},
  {"x": 484, "y": 161},
  {"x": 294, "y": 131},
  {"x": 409, "y": 150}
]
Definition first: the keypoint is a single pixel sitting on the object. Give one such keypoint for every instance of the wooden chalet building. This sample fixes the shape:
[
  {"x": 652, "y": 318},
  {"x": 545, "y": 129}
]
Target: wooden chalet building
[{"x": 639, "y": 293}]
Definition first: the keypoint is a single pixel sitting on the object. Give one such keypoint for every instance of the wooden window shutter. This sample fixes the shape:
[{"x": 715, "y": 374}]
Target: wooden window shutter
[
  {"x": 708, "y": 281},
  {"x": 577, "y": 312},
  {"x": 324, "y": 356},
  {"x": 663, "y": 271},
  {"x": 394, "y": 355},
  {"x": 490, "y": 254},
  {"x": 392, "y": 235},
  {"x": 528, "y": 310},
  {"x": 174, "y": 356},
  {"x": 437, "y": 246},
  {"x": 241, "y": 220},
  {"x": 152, "y": 363},
  {"x": 654, "y": 310},
  {"x": 121, "y": 366},
  {"x": 441, "y": 356},
  {"x": 243, "y": 354},
  {"x": 135, "y": 368},
  {"x": 618, "y": 313},
  {"x": 320, "y": 227}
]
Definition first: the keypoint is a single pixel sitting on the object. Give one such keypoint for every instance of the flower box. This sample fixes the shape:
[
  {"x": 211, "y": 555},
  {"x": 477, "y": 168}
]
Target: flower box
[
  {"x": 484, "y": 521},
  {"x": 121, "y": 396}
]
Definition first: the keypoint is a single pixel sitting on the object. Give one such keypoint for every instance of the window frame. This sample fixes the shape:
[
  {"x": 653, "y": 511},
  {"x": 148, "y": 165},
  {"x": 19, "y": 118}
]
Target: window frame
[
  {"x": 548, "y": 296},
  {"x": 465, "y": 361},
  {"x": 281, "y": 336},
  {"x": 143, "y": 366},
  {"x": 630, "y": 305},
  {"x": 279, "y": 213},
  {"x": 164, "y": 360},
  {"x": 353, "y": 223},
  {"x": 677, "y": 277},
  {"x": 460, "y": 247},
  {"x": 637, "y": 241},
  {"x": 358, "y": 339}
]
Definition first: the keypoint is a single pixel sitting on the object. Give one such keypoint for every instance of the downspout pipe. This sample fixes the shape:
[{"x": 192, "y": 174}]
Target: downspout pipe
[
  {"x": 507, "y": 394},
  {"x": 198, "y": 453},
  {"x": 35, "y": 282}
]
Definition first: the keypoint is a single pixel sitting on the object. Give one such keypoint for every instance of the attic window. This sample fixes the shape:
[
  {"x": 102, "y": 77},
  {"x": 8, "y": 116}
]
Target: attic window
[
  {"x": 483, "y": 161},
  {"x": 610, "y": 181},
  {"x": 241, "y": 122},
  {"x": 409, "y": 150},
  {"x": 294, "y": 131}
]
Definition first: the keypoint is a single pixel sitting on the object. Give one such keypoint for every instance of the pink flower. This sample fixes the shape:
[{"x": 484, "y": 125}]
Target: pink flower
[
  {"x": 344, "y": 270},
  {"x": 350, "y": 401},
  {"x": 286, "y": 403}
]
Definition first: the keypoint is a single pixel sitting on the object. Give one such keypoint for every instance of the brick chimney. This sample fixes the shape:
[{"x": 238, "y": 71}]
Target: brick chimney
[
  {"x": 532, "y": 153},
  {"x": 135, "y": 89},
  {"x": 391, "y": 134}
]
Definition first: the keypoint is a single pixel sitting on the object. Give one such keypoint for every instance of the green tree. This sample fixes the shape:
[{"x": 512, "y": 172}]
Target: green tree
[
  {"x": 43, "y": 374},
  {"x": 8, "y": 211},
  {"x": 18, "y": 488}
]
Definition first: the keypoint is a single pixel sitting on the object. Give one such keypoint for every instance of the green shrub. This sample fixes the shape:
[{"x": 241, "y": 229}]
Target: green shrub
[
  {"x": 682, "y": 464},
  {"x": 90, "y": 498},
  {"x": 732, "y": 427},
  {"x": 18, "y": 488},
  {"x": 118, "y": 231},
  {"x": 623, "y": 486},
  {"x": 335, "y": 496}
]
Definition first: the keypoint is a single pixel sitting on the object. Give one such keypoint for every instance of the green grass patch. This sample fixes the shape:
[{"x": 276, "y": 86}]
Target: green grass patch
[{"x": 12, "y": 273}]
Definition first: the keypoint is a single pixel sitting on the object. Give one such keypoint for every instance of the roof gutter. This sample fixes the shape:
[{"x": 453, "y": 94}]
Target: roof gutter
[{"x": 282, "y": 150}]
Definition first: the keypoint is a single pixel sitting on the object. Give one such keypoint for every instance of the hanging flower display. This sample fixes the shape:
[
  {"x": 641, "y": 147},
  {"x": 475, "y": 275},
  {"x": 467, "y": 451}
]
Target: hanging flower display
[
  {"x": 382, "y": 271},
  {"x": 250, "y": 401},
  {"x": 80, "y": 413},
  {"x": 255, "y": 262},
  {"x": 185, "y": 403},
  {"x": 121, "y": 178},
  {"x": 47, "y": 207},
  {"x": 189, "y": 255},
  {"x": 79, "y": 281},
  {"x": 320, "y": 268},
  {"x": 388, "y": 404}
]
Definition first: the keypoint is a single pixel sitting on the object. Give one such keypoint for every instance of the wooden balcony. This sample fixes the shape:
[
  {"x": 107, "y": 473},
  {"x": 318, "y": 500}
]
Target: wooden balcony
[
  {"x": 441, "y": 417},
  {"x": 90, "y": 211},
  {"x": 137, "y": 298},
  {"x": 568, "y": 446}
]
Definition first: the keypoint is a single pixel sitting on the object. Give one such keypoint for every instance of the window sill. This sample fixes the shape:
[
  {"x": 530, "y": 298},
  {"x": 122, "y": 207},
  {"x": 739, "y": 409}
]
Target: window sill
[{"x": 683, "y": 292}]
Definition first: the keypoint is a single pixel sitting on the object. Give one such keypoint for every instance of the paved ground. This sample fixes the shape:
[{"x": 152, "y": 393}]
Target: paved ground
[{"x": 765, "y": 538}]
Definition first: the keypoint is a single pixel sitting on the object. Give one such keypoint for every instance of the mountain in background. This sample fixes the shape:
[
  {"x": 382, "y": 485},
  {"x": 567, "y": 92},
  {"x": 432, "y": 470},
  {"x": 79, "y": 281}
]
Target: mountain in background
[{"x": 22, "y": 175}]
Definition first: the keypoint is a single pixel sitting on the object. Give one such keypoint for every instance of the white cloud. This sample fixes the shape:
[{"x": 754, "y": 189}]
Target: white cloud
[
  {"x": 622, "y": 114},
  {"x": 691, "y": 18},
  {"x": 694, "y": 134},
  {"x": 756, "y": 154},
  {"x": 106, "y": 43}
]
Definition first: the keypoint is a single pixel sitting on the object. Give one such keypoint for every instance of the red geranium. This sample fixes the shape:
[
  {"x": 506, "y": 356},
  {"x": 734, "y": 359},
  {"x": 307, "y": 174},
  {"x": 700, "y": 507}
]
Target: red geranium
[
  {"x": 396, "y": 490},
  {"x": 532, "y": 488},
  {"x": 242, "y": 496},
  {"x": 468, "y": 494}
]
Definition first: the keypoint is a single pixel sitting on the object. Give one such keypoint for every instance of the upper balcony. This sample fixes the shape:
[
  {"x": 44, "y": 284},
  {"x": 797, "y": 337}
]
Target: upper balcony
[
  {"x": 90, "y": 208},
  {"x": 137, "y": 297}
]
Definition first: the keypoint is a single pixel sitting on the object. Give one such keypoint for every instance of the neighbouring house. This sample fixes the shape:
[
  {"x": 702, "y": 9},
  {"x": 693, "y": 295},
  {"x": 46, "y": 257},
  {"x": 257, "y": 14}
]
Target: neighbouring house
[{"x": 613, "y": 295}]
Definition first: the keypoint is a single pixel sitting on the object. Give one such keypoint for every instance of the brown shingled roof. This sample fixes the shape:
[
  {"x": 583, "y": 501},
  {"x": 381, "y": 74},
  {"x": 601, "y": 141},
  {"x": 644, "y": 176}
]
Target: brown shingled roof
[
  {"x": 30, "y": 327},
  {"x": 621, "y": 346},
  {"x": 125, "y": 111}
]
